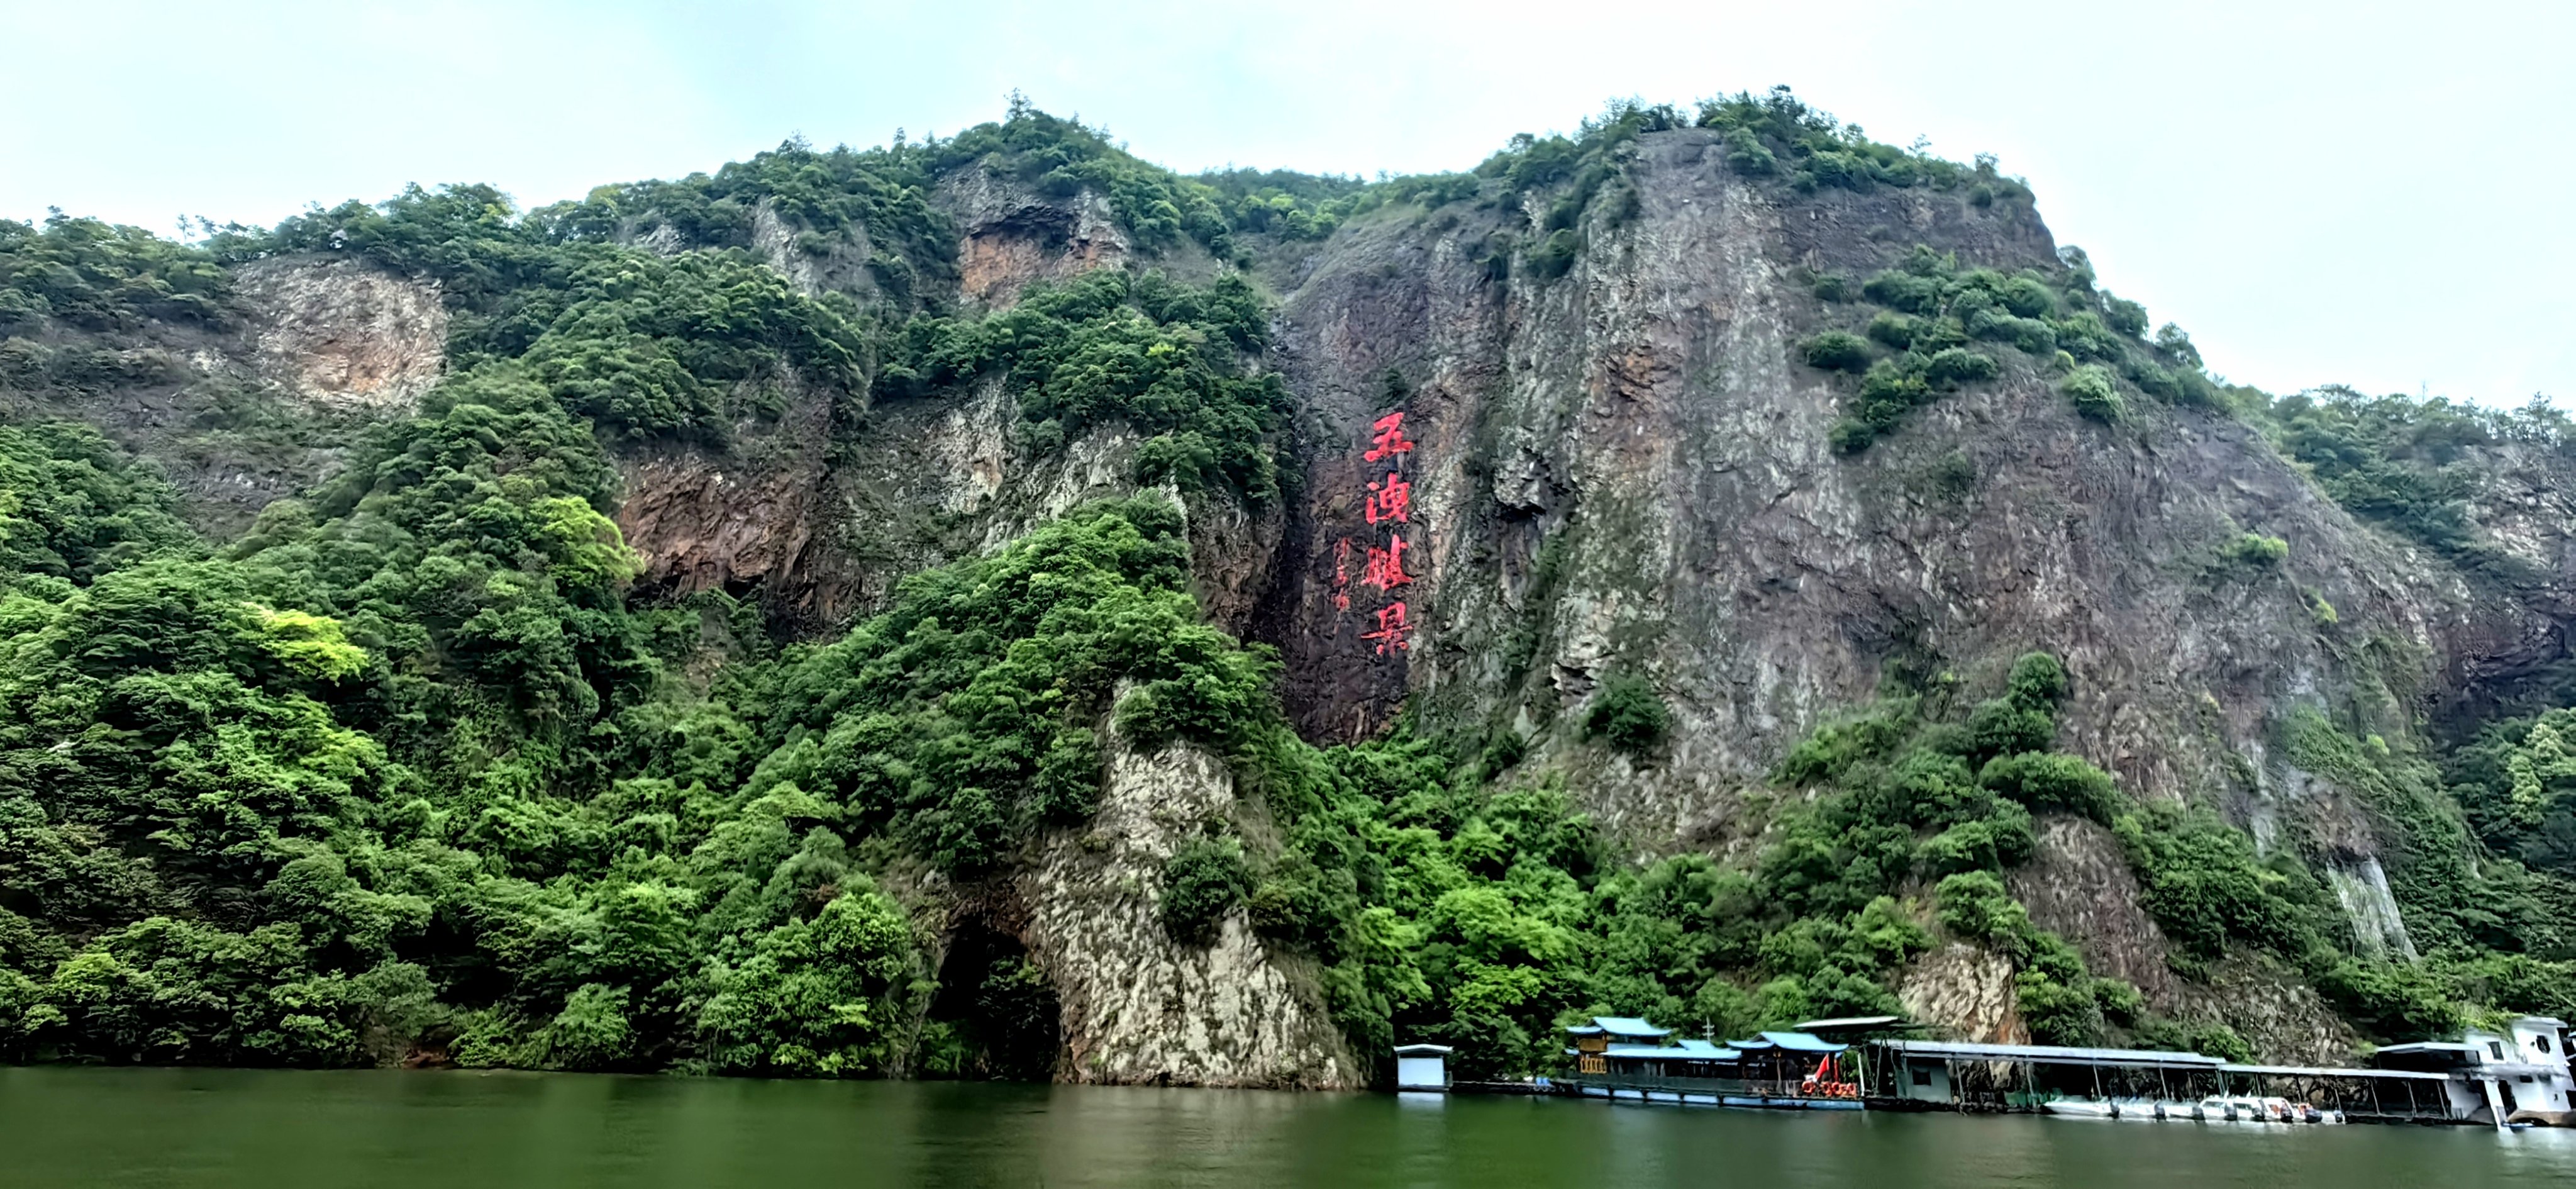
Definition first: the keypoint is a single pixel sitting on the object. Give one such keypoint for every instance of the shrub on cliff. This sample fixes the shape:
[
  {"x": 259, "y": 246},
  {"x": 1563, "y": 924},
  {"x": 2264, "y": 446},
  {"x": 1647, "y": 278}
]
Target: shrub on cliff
[
  {"x": 1554, "y": 255},
  {"x": 1836, "y": 351},
  {"x": 2254, "y": 551},
  {"x": 1894, "y": 329},
  {"x": 1958, "y": 365},
  {"x": 2091, "y": 391},
  {"x": 1628, "y": 716},
  {"x": 2124, "y": 316},
  {"x": 1905, "y": 291},
  {"x": 2050, "y": 782},
  {"x": 1164, "y": 359},
  {"x": 1202, "y": 881}
]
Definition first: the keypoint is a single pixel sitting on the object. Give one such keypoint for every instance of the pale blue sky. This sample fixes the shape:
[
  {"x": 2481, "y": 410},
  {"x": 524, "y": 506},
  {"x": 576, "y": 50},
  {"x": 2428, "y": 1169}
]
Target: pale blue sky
[{"x": 2365, "y": 192}]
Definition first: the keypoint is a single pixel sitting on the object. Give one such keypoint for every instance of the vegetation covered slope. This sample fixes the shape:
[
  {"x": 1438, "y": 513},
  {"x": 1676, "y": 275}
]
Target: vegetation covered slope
[{"x": 409, "y": 769}]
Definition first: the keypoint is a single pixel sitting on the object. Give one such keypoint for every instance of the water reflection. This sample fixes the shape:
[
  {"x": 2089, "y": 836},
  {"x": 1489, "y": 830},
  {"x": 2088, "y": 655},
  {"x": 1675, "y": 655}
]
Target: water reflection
[{"x": 211, "y": 1128}]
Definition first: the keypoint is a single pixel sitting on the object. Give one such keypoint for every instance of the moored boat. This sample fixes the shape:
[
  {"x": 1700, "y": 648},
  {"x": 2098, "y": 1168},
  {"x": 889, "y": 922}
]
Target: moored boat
[{"x": 2081, "y": 1108}]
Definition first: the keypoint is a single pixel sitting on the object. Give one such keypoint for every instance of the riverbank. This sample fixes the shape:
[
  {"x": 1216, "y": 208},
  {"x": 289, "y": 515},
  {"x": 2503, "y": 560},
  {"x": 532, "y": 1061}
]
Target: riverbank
[{"x": 234, "y": 1129}]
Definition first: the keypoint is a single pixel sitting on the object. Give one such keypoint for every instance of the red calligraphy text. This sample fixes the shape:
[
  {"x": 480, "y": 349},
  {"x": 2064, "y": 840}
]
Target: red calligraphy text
[
  {"x": 1390, "y": 440},
  {"x": 1392, "y": 631},
  {"x": 1390, "y": 499},
  {"x": 1385, "y": 567}
]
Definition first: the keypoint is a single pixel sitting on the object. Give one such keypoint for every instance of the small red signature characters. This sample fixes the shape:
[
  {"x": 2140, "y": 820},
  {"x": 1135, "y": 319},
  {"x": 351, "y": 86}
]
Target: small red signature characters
[
  {"x": 1390, "y": 499},
  {"x": 1392, "y": 631},
  {"x": 1385, "y": 567},
  {"x": 1389, "y": 440}
]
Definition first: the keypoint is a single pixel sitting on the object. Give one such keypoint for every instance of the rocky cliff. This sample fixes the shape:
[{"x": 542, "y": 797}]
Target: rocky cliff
[
  {"x": 1627, "y": 470},
  {"x": 1619, "y": 464}
]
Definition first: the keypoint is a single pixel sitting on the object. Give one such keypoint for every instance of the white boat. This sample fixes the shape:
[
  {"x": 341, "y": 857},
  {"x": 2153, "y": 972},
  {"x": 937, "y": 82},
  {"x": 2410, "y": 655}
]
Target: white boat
[
  {"x": 2081, "y": 1108},
  {"x": 2175, "y": 1110},
  {"x": 2218, "y": 1108},
  {"x": 2135, "y": 1110}
]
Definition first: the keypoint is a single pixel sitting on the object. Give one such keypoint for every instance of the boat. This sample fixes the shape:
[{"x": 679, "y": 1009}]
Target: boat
[
  {"x": 2219, "y": 1108},
  {"x": 2135, "y": 1110},
  {"x": 2175, "y": 1110},
  {"x": 2081, "y": 1108}
]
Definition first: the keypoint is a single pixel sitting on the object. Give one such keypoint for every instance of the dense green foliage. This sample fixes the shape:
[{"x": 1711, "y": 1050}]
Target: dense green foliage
[
  {"x": 1169, "y": 360},
  {"x": 965, "y": 718},
  {"x": 86, "y": 275},
  {"x": 1935, "y": 315},
  {"x": 1778, "y": 133},
  {"x": 71, "y": 507},
  {"x": 88, "y": 309},
  {"x": 1203, "y": 881},
  {"x": 2517, "y": 781},
  {"x": 2410, "y": 465},
  {"x": 2090, "y": 390},
  {"x": 1836, "y": 351}
]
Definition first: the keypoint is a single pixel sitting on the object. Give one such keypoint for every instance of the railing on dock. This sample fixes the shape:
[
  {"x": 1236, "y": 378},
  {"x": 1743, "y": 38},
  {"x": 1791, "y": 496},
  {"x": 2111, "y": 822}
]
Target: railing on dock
[{"x": 1666, "y": 1088}]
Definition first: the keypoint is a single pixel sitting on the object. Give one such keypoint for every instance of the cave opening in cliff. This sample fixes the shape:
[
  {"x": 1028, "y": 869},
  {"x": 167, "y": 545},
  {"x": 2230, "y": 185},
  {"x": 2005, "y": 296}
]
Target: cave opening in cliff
[{"x": 994, "y": 1017}]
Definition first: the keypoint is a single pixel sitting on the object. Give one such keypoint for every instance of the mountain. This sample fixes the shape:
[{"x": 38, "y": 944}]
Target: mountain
[{"x": 995, "y": 607}]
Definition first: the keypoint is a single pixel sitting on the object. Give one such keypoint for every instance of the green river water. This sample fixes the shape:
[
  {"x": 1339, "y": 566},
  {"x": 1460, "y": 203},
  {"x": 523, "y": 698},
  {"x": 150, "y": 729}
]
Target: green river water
[{"x": 182, "y": 1128}]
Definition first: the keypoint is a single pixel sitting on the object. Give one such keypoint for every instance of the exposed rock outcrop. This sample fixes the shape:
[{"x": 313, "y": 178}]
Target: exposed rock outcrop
[
  {"x": 744, "y": 519},
  {"x": 344, "y": 332},
  {"x": 814, "y": 264},
  {"x": 1138, "y": 1006},
  {"x": 1965, "y": 992},
  {"x": 1010, "y": 236},
  {"x": 2079, "y": 887}
]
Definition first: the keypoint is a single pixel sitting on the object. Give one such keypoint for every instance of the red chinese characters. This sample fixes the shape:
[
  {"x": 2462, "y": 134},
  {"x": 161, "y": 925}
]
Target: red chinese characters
[
  {"x": 1390, "y": 498},
  {"x": 1392, "y": 632},
  {"x": 1385, "y": 566},
  {"x": 1390, "y": 440},
  {"x": 1389, "y": 504}
]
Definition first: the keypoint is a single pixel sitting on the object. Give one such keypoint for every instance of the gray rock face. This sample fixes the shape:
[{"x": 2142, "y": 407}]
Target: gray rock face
[
  {"x": 1626, "y": 470},
  {"x": 814, "y": 266},
  {"x": 342, "y": 332},
  {"x": 1011, "y": 237},
  {"x": 1139, "y": 1007},
  {"x": 1965, "y": 992}
]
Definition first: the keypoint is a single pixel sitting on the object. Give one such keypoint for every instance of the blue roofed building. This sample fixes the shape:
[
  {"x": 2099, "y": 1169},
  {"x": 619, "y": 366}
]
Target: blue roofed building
[{"x": 1624, "y": 1057}]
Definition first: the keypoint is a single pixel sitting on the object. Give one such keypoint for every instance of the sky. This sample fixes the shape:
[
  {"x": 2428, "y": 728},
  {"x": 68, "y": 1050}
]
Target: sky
[{"x": 2358, "y": 192}]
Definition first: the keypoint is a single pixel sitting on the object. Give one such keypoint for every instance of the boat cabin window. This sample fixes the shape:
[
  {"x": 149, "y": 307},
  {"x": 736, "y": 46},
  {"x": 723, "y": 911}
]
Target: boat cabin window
[
  {"x": 2524, "y": 1079},
  {"x": 1922, "y": 1076},
  {"x": 2541, "y": 1043},
  {"x": 2496, "y": 1047}
]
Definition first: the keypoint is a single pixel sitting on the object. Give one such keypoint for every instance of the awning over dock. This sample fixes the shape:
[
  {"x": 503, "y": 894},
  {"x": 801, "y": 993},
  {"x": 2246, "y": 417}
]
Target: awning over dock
[
  {"x": 1849, "y": 1023},
  {"x": 2049, "y": 1054},
  {"x": 2315, "y": 1071}
]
